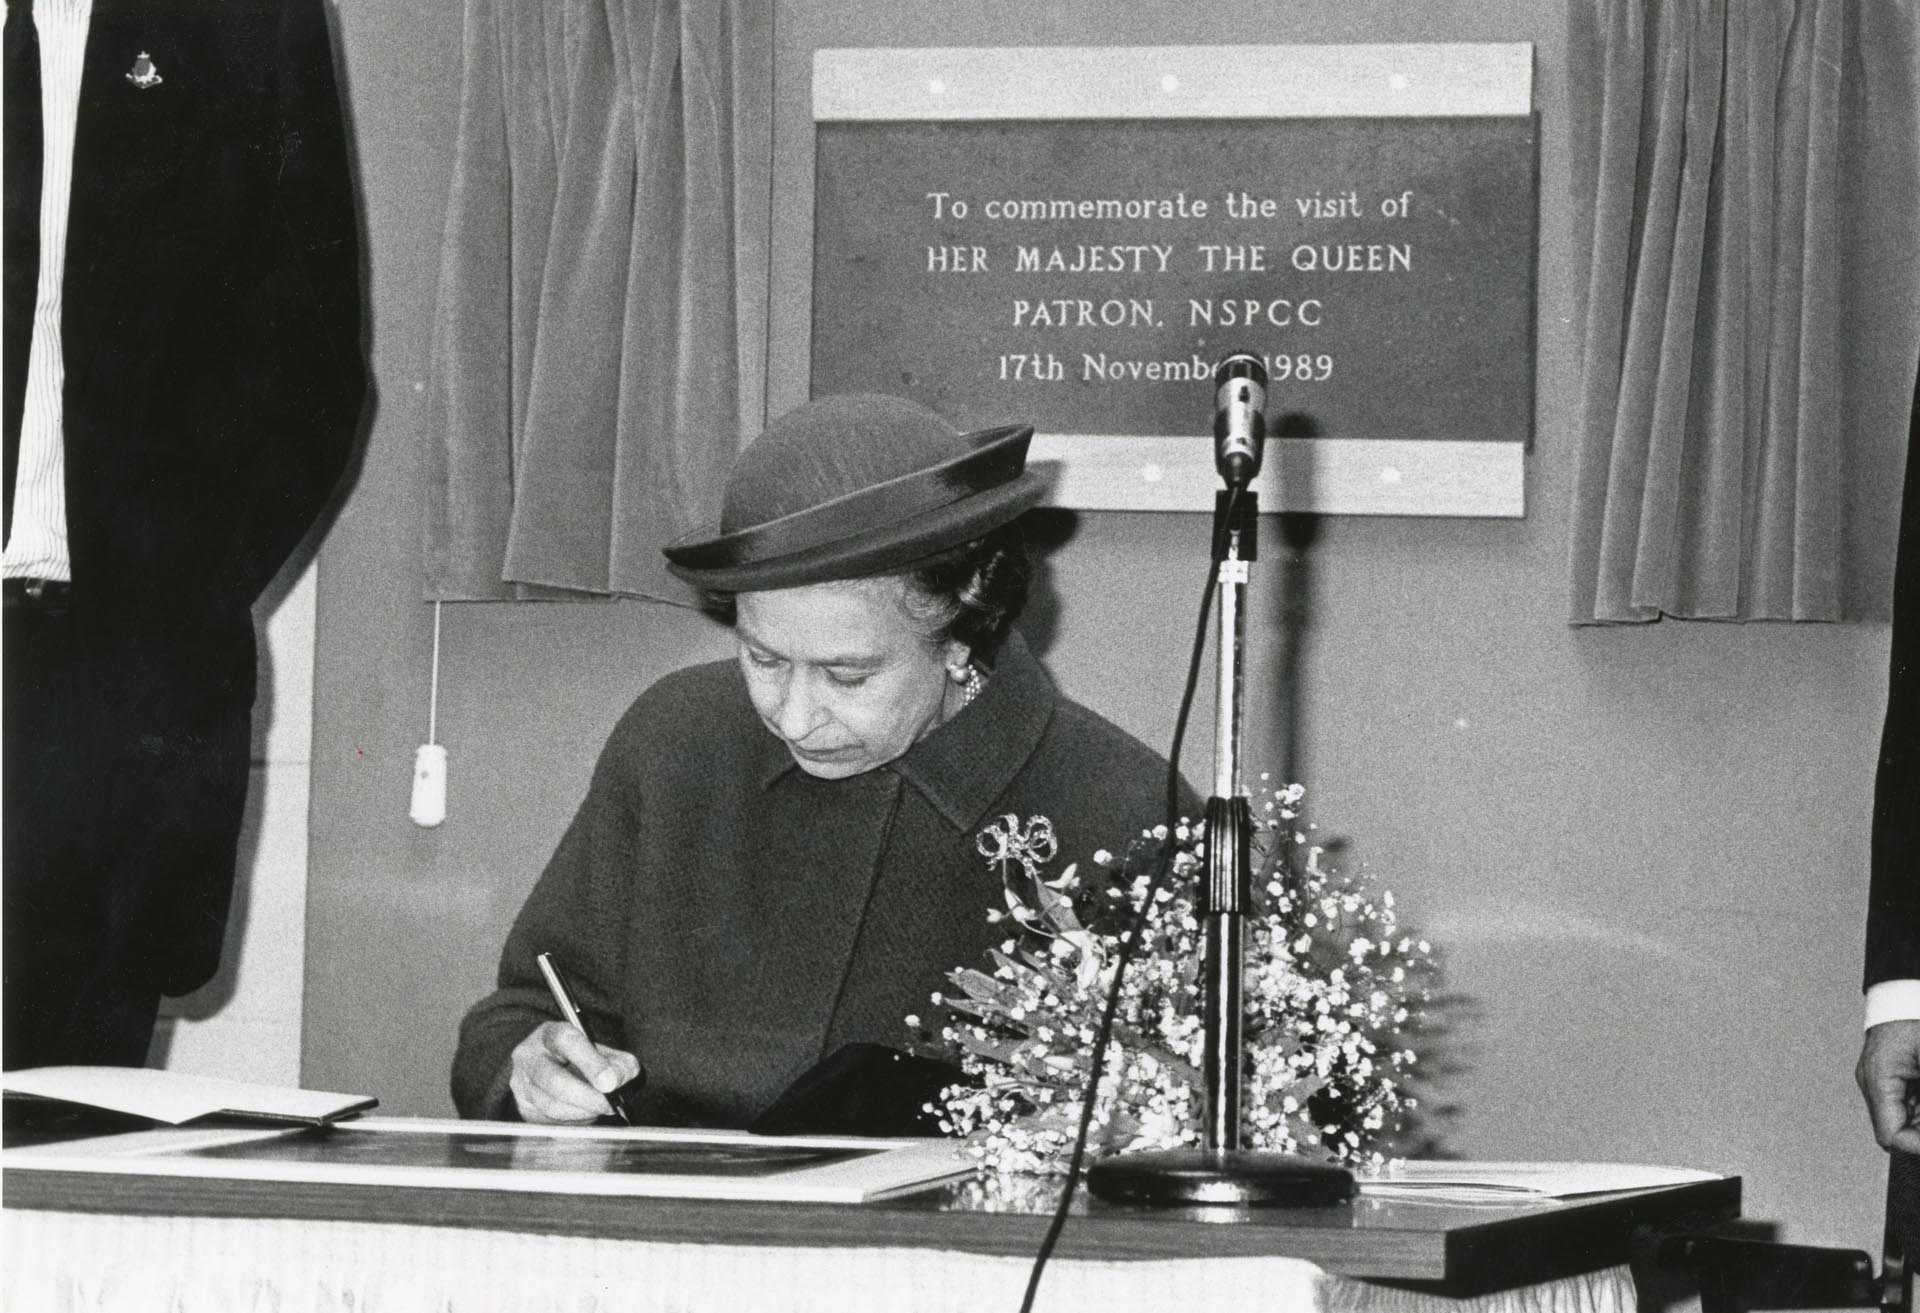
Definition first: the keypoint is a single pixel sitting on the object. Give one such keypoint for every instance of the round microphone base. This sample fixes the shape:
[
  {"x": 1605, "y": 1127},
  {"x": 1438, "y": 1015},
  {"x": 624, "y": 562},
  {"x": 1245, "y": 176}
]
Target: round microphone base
[{"x": 1241, "y": 1178}]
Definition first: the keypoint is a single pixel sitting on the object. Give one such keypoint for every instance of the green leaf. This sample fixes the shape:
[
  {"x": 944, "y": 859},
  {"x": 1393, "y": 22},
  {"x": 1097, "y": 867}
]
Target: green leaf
[
  {"x": 1057, "y": 907},
  {"x": 980, "y": 985},
  {"x": 1005, "y": 1052},
  {"x": 1036, "y": 974}
]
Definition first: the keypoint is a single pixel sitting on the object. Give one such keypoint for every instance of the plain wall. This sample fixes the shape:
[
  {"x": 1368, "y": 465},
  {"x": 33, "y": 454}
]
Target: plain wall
[
  {"x": 245, "y": 1023},
  {"x": 1640, "y": 852}
]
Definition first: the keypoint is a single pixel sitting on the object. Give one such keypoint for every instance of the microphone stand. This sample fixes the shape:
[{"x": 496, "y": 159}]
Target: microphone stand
[{"x": 1220, "y": 1171}]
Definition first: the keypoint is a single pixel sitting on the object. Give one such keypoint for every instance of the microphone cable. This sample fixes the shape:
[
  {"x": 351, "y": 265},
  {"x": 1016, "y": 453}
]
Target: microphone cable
[{"x": 1132, "y": 933}]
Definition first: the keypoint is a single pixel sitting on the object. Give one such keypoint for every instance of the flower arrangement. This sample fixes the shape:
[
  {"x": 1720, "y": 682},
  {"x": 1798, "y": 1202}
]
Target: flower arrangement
[{"x": 1333, "y": 992}]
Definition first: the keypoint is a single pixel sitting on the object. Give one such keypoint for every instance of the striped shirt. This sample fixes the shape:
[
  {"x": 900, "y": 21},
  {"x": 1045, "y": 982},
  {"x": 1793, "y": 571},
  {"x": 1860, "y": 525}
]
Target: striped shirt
[{"x": 37, "y": 544}]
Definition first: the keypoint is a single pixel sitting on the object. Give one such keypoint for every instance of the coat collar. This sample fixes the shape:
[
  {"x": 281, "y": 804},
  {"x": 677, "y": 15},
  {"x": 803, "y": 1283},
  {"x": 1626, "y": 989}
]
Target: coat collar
[{"x": 966, "y": 764}]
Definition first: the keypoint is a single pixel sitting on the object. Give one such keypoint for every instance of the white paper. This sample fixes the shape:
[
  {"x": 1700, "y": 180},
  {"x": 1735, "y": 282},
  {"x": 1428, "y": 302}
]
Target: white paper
[
  {"x": 175, "y": 1097},
  {"x": 1508, "y": 1182}
]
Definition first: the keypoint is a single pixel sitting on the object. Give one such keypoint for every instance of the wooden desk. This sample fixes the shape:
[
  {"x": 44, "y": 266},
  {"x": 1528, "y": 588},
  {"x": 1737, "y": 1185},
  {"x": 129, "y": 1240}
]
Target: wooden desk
[
  {"x": 1453, "y": 1250},
  {"x": 978, "y": 1231}
]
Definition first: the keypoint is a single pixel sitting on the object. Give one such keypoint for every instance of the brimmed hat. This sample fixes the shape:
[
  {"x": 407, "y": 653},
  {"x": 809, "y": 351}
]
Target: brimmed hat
[{"x": 856, "y": 485}]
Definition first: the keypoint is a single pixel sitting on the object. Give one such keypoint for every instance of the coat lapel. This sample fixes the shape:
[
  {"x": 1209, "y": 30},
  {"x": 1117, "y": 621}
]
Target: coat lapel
[
  {"x": 22, "y": 239},
  {"x": 144, "y": 95}
]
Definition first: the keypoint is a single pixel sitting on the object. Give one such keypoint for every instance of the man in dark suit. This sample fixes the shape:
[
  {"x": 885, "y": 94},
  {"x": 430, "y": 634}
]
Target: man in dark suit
[
  {"x": 1889, "y": 1068},
  {"x": 183, "y": 385}
]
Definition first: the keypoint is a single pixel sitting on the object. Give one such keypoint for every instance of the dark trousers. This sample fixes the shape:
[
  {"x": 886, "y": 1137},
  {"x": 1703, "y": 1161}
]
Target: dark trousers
[{"x": 120, "y": 825}]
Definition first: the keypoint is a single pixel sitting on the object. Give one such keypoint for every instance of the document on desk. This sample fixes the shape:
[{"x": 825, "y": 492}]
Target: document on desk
[
  {"x": 1511, "y": 1182},
  {"x": 177, "y": 1098},
  {"x": 513, "y": 1158}
]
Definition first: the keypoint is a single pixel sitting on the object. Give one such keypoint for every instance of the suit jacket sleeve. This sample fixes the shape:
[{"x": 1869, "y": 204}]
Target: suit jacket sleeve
[
  {"x": 1893, "y": 913},
  {"x": 283, "y": 431}
]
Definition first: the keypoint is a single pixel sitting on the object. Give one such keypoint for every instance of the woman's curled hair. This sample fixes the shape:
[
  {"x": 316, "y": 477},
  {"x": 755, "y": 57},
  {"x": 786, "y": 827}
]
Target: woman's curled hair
[{"x": 974, "y": 592}]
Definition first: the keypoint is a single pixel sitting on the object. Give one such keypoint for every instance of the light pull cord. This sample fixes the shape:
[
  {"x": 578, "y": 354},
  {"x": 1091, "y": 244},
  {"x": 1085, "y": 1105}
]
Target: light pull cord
[
  {"x": 433, "y": 687},
  {"x": 429, "y": 804}
]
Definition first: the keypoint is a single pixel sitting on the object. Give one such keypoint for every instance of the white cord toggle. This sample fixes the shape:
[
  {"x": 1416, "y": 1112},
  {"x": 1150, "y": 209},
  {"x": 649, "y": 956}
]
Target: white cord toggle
[{"x": 429, "y": 806}]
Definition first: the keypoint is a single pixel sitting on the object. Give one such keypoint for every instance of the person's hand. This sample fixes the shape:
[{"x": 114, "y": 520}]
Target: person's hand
[
  {"x": 1889, "y": 1076},
  {"x": 559, "y": 1077}
]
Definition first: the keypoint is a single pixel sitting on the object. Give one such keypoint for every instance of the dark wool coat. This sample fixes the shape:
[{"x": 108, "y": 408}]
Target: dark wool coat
[{"x": 731, "y": 920}]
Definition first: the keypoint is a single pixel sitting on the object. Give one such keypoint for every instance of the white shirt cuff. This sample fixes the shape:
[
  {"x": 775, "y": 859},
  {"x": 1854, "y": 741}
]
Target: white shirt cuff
[{"x": 1893, "y": 1000}]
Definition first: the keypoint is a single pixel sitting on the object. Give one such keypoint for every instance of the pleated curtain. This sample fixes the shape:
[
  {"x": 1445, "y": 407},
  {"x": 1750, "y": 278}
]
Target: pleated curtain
[
  {"x": 584, "y": 388},
  {"x": 1744, "y": 177}
]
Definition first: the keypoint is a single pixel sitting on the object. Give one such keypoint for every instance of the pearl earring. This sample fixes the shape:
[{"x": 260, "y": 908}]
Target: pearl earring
[{"x": 970, "y": 679}]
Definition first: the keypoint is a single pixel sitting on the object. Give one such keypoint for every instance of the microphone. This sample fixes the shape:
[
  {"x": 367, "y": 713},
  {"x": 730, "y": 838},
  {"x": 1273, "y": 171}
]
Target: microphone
[{"x": 1239, "y": 417}]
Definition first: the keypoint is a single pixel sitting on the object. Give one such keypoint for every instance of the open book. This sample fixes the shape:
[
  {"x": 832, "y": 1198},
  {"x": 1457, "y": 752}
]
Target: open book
[{"x": 176, "y": 1098}]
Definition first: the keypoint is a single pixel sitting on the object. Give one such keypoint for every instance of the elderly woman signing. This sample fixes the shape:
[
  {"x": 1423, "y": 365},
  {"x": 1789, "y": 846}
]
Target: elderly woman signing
[{"x": 778, "y": 856}]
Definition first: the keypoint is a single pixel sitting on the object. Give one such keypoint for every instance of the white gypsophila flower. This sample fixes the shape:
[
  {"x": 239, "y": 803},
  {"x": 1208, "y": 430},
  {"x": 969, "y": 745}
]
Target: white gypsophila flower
[{"x": 1322, "y": 1003}]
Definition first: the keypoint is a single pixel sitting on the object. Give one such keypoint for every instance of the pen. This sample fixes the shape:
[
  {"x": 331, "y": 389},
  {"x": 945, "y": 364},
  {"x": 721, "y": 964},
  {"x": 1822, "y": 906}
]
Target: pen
[{"x": 563, "y": 998}]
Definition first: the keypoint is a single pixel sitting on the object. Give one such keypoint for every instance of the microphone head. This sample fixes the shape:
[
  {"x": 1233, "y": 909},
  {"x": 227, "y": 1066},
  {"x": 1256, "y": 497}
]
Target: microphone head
[
  {"x": 1239, "y": 417},
  {"x": 1241, "y": 364}
]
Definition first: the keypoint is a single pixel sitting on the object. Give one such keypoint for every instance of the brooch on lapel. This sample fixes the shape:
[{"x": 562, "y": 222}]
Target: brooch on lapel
[{"x": 145, "y": 76}]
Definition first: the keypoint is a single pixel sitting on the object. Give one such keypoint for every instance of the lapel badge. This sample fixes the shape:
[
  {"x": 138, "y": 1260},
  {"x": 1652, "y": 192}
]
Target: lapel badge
[{"x": 144, "y": 76}]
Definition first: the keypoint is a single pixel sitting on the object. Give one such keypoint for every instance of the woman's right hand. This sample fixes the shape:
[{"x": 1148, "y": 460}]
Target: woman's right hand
[{"x": 560, "y": 1077}]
